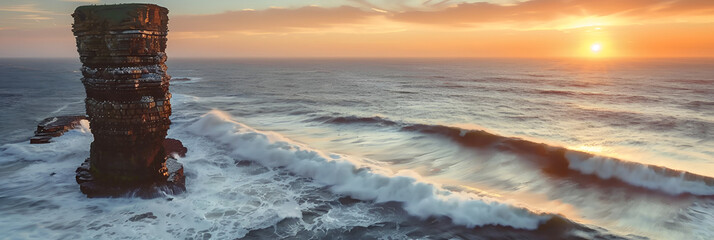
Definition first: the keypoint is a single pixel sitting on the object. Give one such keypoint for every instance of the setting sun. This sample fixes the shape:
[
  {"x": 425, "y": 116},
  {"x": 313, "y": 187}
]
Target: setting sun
[{"x": 595, "y": 48}]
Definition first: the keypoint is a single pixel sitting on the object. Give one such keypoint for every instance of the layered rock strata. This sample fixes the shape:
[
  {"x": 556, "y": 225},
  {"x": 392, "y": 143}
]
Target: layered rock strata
[{"x": 122, "y": 49}]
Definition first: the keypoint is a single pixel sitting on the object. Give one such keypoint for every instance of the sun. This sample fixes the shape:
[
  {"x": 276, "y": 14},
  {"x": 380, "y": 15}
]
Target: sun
[{"x": 595, "y": 48}]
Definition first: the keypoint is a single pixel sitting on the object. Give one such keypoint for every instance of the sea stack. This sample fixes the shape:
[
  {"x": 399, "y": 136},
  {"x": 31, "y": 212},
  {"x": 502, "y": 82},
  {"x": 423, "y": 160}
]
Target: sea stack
[{"x": 122, "y": 49}]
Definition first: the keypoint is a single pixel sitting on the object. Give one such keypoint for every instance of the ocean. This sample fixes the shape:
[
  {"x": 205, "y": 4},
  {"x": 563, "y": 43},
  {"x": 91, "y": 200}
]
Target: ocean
[{"x": 385, "y": 149}]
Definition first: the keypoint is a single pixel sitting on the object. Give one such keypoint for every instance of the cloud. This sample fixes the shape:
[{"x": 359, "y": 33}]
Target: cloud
[
  {"x": 402, "y": 5},
  {"x": 379, "y": 10},
  {"x": 32, "y": 17},
  {"x": 26, "y": 14},
  {"x": 704, "y": 7},
  {"x": 25, "y": 8},
  {"x": 193, "y": 35},
  {"x": 47, "y": 42},
  {"x": 272, "y": 19},
  {"x": 532, "y": 14},
  {"x": 82, "y": 1},
  {"x": 468, "y": 14}
]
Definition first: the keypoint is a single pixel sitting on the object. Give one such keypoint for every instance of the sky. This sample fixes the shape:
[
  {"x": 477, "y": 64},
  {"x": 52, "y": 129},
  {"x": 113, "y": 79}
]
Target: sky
[{"x": 391, "y": 28}]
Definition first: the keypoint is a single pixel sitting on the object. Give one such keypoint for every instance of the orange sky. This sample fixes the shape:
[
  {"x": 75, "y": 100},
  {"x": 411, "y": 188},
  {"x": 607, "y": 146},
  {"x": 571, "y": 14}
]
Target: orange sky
[{"x": 407, "y": 28}]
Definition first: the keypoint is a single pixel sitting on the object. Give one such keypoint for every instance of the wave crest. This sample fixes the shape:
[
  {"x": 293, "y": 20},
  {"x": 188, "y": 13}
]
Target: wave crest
[
  {"x": 419, "y": 198},
  {"x": 559, "y": 160}
]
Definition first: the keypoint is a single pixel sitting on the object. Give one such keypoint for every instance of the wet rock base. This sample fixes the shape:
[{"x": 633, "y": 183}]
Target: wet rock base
[{"x": 172, "y": 181}]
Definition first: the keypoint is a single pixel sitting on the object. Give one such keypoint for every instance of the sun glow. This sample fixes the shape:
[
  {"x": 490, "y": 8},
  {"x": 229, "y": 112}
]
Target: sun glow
[{"x": 595, "y": 48}]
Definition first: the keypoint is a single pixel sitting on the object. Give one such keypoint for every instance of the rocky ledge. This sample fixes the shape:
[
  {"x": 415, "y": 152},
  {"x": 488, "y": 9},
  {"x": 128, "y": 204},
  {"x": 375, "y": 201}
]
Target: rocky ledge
[
  {"x": 174, "y": 182},
  {"x": 54, "y": 127}
]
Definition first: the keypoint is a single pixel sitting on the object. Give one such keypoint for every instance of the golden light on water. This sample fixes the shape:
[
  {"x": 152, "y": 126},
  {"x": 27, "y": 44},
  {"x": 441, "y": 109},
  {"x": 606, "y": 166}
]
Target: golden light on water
[{"x": 590, "y": 148}]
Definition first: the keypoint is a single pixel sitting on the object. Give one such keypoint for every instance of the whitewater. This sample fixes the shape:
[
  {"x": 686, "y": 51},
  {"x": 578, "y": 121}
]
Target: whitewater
[{"x": 391, "y": 149}]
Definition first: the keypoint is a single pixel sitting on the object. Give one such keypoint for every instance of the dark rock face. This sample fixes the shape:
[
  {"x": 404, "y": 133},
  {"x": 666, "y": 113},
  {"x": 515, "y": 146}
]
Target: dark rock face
[
  {"x": 122, "y": 51},
  {"x": 139, "y": 217},
  {"x": 54, "y": 127},
  {"x": 173, "y": 183},
  {"x": 173, "y": 146}
]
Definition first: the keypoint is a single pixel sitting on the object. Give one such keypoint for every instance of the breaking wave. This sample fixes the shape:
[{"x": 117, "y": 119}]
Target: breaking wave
[
  {"x": 559, "y": 160},
  {"x": 360, "y": 181}
]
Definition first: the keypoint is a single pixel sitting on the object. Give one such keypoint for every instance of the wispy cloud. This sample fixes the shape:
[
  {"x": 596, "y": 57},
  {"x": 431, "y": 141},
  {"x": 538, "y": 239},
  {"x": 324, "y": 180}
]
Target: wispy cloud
[
  {"x": 193, "y": 35},
  {"x": 534, "y": 11},
  {"x": 524, "y": 15},
  {"x": 82, "y": 1},
  {"x": 403, "y": 5},
  {"x": 379, "y": 10},
  {"x": 273, "y": 19},
  {"x": 32, "y": 17},
  {"x": 25, "y": 8}
]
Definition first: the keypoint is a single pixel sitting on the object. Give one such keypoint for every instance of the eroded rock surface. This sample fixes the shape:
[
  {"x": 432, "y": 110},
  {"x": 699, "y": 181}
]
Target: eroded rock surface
[{"x": 122, "y": 49}]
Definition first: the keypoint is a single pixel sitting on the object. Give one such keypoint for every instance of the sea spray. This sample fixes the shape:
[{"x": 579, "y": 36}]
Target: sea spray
[
  {"x": 74, "y": 142},
  {"x": 555, "y": 159},
  {"x": 344, "y": 176},
  {"x": 641, "y": 175}
]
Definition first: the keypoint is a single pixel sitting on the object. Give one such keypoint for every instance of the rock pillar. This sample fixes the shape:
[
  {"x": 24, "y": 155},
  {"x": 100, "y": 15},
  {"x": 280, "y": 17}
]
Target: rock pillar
[{"x": 122, "y": 49}]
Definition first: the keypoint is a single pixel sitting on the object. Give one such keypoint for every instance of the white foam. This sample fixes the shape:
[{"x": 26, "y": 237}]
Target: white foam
[
  {"x": 73, "y": 142},
  {"x": 637, "y": 175},
  {"x": 185, "y": 79},
  {"x": 41, "y": 200},
  {"x": 361, "y": 181}
]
